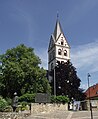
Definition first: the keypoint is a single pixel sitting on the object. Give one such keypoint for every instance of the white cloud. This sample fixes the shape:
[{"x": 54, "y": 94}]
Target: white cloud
[{"x": 86, "y": 56}]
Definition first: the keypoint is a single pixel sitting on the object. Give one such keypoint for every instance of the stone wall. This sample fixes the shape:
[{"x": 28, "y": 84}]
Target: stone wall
[
  {"x": 86, "y": 104},
  {"x": 38, "y": 108}
]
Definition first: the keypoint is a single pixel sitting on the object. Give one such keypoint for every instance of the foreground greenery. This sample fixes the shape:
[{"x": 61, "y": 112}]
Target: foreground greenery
[
  {"x": 25, "y": 100},
  {"x": 59, "y": 99},
  {"x": 29, "y": 98},
  {"x": 3, "y": 104},
  {"x": 21, "y": 73},
  {"x": 67, "y": 81}
]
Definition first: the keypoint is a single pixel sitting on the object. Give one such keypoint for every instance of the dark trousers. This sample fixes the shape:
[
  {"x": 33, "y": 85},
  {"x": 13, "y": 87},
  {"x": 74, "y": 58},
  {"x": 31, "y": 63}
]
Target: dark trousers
[{"x": 14, "y": 109}]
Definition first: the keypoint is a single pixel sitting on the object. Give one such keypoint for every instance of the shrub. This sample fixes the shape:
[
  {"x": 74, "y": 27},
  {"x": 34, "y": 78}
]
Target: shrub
[
  {"x": 8, "y": 109},
  {"x": 9, "y": 101},
  {"x": 53, "y": 99},
  {"x": 23, "y": 106},
  {"x": 59, "y": 99},
  {"x": 27, "y": 98},
  {"x": 3, "y": 104}
]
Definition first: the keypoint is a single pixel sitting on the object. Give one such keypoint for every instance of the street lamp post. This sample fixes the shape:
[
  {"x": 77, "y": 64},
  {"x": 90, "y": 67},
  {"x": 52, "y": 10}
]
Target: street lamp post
[
  {"x": 56, "y": 65},
  {"x": 88, "y": 76},
  {"x": 54, "y": 83}
]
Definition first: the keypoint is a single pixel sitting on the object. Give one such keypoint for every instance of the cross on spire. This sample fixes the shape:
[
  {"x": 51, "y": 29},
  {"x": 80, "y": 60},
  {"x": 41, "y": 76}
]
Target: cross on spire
[{"x": 57, "y": 14}]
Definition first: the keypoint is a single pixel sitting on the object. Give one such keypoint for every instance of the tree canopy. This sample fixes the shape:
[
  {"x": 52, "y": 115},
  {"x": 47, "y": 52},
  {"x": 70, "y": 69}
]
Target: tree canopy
[
  {"x": 21, "y": 73},
  {"x": 67, "y": 81}
]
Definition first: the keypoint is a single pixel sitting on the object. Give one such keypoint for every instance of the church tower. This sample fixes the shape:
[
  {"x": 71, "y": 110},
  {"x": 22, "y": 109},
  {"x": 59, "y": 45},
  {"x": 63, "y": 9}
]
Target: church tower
[{"x": 59, "y": 49}]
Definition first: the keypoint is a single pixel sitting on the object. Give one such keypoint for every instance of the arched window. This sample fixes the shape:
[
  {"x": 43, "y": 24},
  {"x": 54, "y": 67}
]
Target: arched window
[
  {"x": 65, "y": 53},
  {"x": 62, "y": 42},
  {"x": 59, "y": 51}
]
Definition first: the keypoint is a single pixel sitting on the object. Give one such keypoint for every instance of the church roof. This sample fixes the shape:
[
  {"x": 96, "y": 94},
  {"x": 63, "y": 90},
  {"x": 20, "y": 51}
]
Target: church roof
[{"x": 57, "y": 30}]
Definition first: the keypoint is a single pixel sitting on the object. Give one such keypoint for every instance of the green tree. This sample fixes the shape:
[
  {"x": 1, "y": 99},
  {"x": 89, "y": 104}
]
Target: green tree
[
  {"x": 67, "y": 81},
  {"x": 21, "y": 72}
]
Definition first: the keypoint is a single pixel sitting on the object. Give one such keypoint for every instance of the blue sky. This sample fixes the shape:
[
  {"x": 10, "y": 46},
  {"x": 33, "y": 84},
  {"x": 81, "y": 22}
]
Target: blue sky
[{"x": 32, "y": 22}]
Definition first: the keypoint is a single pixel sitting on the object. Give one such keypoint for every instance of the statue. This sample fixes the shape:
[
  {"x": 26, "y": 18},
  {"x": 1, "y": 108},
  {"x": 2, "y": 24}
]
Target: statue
[{"x": 15, "y": 102}]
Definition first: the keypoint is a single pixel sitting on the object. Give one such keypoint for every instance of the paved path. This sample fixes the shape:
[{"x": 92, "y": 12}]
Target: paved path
[{"x": 65, "y": 115}]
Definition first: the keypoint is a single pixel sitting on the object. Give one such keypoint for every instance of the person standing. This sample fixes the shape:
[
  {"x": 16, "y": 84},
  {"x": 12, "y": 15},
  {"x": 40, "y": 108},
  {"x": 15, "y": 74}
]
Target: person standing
[{"x": 15, "y": 102}]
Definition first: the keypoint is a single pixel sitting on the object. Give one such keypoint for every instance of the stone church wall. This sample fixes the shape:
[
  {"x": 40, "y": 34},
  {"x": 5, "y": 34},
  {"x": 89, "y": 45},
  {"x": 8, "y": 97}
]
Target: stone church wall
[{"x": 38, "y": 108}]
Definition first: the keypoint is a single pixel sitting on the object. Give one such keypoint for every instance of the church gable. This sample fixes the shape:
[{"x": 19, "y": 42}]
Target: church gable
[{"x": 62, "y": 41}]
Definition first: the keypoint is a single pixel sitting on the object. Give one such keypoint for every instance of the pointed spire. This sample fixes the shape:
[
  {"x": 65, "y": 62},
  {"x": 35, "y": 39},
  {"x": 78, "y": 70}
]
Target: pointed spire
[{"x": 58, "y": 29}]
